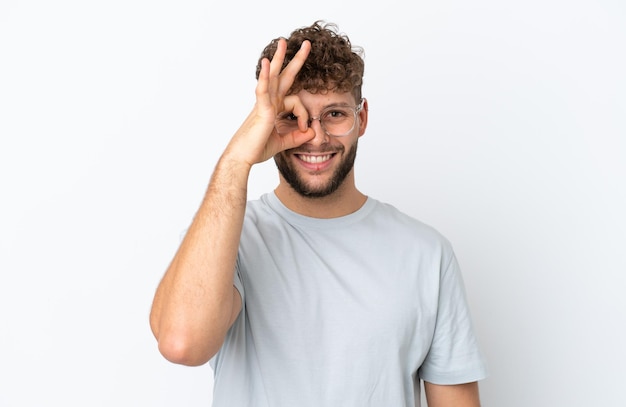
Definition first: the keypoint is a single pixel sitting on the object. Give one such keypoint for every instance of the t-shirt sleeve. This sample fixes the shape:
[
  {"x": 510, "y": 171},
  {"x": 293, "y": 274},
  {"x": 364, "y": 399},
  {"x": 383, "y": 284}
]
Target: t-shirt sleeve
[
  {"x": 454, "y": 356},
  {"x": 237, "y": 281}
]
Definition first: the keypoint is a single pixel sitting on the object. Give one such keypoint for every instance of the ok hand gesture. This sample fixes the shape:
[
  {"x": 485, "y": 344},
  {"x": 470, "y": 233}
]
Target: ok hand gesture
[{"x": 257, "y": 140}]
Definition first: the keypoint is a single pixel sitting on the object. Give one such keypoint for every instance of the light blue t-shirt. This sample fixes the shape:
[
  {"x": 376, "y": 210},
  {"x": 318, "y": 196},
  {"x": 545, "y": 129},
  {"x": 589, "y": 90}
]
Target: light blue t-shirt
[{"x": 349, "y": 311}]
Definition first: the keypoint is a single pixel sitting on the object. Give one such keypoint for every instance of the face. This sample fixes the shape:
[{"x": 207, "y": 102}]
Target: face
[{"x": 319, "y": 167}]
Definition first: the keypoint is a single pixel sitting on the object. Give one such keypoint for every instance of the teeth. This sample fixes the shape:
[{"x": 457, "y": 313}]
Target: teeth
[{"x": 315, "y": 159}]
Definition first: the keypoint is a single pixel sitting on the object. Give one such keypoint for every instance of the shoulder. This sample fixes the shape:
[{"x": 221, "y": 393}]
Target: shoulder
[
  {"x": 262, "y": 211},
  {"x": 391, "y": 218},
  {"x": 264, "y": 219}
]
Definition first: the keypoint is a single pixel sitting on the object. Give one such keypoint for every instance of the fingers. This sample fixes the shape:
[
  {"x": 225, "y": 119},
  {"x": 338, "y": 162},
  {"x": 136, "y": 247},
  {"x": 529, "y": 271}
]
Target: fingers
[
  {"x": 273, "y": 82},
  {"x": 273, "y": 85},
  {"x": 263, "y": 80},
  {"x": 296, "y": 139},
  {"x": 293, "y": 104},
  {"x": 276, "y": 65},
  {"x": 286, "y": 79},
  {"x": 288, "y": 75}
]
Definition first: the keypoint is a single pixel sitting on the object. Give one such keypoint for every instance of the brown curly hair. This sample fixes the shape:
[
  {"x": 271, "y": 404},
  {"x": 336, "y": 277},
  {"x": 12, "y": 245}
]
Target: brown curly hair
[{"x": 332, "y": 65}]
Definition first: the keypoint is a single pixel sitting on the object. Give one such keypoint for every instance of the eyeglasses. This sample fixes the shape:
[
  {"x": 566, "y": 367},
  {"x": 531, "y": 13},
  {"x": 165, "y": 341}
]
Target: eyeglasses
[{"x": 336, "y": 121}]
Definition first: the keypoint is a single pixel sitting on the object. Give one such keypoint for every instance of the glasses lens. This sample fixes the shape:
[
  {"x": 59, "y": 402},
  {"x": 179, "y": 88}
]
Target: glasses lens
[
  {"x": 338, "y": 121},
  {"x": 286, "y": 123}
]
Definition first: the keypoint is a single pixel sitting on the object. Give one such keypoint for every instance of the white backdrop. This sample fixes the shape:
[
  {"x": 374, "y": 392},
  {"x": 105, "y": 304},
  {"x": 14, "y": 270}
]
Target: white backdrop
[{"x": 502, "y": 124}]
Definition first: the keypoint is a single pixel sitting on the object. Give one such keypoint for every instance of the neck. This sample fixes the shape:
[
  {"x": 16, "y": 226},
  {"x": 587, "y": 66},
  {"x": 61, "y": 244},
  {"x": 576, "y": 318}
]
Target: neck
[{"x": 344, "y": 201}]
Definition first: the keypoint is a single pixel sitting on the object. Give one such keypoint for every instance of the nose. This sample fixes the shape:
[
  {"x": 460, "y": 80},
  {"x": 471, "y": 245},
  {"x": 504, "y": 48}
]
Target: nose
[{"x": 320, "y": 135}]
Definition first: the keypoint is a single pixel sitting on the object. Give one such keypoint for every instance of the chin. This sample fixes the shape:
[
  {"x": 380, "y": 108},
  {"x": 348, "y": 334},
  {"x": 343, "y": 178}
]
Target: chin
[{"x": 311, "y": 189}]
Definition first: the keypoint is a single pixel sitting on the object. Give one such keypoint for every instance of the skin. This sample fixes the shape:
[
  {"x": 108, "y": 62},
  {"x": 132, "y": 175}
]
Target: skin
[
  {"x": 461, "y": 395},
  {"x": 196, "y": 303},
  {"x": 345, "y": 198},
  {"x": 344, "y": 155}
]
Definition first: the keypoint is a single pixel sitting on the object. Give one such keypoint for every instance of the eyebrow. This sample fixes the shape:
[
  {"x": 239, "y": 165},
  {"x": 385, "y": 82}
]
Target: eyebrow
[
  {"x": 337, "y": 105},
  {"x": 330, "y": 106}
]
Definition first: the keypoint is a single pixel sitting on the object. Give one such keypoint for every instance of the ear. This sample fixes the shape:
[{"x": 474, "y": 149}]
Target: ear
[{"x": 363, "y": 114}]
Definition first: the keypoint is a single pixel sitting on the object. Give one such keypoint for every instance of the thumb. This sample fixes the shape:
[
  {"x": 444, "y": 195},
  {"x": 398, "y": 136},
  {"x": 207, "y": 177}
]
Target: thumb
[{"x": 297, "y": 138}]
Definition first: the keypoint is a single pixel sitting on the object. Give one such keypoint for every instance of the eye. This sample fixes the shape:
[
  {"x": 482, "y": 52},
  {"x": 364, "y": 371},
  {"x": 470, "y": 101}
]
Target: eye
[
  {"x": 336, "y": 114},
  {"x": 288, "y": 117}
]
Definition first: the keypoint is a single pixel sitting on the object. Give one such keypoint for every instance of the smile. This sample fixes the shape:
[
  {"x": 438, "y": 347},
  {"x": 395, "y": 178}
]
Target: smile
[{"x": 314, "y": 159}]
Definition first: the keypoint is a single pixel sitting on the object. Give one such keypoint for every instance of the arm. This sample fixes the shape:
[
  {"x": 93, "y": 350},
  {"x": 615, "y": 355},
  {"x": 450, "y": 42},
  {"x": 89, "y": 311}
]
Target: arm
[
  {"x": 457, "y": 395},
  {"x": 196, "y": 303}
]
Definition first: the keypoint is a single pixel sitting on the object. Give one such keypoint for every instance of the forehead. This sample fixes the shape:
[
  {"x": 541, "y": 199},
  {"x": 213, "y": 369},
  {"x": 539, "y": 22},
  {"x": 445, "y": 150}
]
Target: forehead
[{"x": 317, "y": 101}]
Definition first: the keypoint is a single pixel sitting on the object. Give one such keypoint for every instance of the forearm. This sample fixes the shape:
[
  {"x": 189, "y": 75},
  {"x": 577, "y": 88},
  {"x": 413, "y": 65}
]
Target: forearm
[{"x": 194, "y": 304}]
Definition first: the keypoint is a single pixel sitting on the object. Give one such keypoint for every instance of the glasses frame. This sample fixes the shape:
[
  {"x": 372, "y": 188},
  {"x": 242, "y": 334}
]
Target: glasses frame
[{"x": 355, "y": 110}]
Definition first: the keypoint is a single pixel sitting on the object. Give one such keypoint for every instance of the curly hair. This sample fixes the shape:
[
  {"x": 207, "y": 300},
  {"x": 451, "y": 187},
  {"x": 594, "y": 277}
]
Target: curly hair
[{"x": 332, "y": 65}]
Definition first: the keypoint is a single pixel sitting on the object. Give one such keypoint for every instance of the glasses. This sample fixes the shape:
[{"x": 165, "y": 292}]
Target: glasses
[{"x": 336, "y": 121}]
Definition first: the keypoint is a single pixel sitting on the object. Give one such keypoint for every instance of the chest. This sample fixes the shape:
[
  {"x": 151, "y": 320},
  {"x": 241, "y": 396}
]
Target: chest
[{"x": 338, "y": 295}]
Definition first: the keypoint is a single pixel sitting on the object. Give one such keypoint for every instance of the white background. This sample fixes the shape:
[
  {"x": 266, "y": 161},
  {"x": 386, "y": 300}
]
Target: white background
[{"x": 500, "y": 123}]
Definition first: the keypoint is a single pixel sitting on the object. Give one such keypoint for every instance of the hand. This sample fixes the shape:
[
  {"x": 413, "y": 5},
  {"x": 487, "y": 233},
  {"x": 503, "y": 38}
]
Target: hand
[{"x": 257, "y": 140}]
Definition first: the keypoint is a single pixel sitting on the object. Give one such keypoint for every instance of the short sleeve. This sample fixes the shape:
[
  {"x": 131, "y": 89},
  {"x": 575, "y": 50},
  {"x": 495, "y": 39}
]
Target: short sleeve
[
  {"x": 454, "y": 356},
  {"x": 237, "y": 281}
]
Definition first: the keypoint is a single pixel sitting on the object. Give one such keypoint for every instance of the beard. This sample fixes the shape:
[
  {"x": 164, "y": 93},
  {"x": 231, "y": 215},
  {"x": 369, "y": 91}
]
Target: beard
[{"x": 299, "y": 185}]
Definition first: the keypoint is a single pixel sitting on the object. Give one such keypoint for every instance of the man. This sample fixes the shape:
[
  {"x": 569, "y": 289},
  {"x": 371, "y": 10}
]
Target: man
[{"x": 315, "y": 294}]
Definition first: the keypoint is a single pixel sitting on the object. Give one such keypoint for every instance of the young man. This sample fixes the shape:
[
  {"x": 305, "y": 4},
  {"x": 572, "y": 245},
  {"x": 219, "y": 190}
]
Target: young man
[{"x": 315, "y": 294}]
